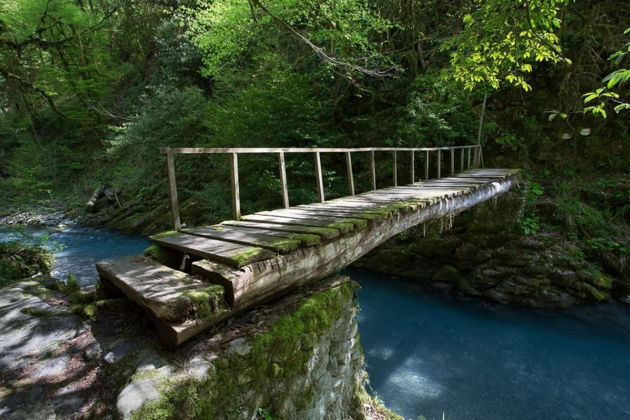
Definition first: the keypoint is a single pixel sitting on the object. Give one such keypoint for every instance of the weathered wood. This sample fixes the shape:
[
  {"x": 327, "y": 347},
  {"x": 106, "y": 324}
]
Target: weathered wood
[
  {"x": 439, "y": 163},
  {"x": 395, "y": 169},
  {"x": 236, "y": 196},
  {"x": 373, "y": 170},
  {"x": 283, "y": 180},
  {"x": 342, "y": 228},
  {"x": 259, "y": 280},
  {"x": 452, "y": 161},
  {"x": 321, "y": 213},
  {"x": 426, "y": 166},
  {"x": 413, "y": 168},
  {"x": 461, "y": 161},
  {"x": 160, "y": 290},
  {"x": 468, "y": 158},
  {"x": 255, "y": 239},
  {"x": 226, "y": 252},
  {"x": 350, "y": 175},
  {"x": 246, "y": 260},
  {"x": 310, "y": 230},
  {"x": 255, "y": 150},
  {"x": 172, "y": 191},
  {"x": 319, "y": 178}
]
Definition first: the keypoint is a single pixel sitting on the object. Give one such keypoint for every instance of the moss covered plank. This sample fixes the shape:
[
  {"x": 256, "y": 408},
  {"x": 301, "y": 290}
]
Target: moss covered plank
[
  {"x": 342, "y": 227},
  {"x": 302, "y": 214},
  {"x": 247, "y": 237},
  {"x": 168, "y": 294},
  {"x": 324, "y": 233},
  {"x": 230, "y": 253}
]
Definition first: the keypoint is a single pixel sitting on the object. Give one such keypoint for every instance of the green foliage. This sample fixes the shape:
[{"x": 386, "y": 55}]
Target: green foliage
[
  {"x": 501, "y": 40},
  {"x": 19, "y": 261},
  {"x": 617, "y": 78},
  {"x": 437, "y": 114},
  {"x": 529, "y": 225}
]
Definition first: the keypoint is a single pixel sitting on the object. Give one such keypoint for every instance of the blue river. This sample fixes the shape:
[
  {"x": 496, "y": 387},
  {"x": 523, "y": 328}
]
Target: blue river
[{"x": 433, "y": 356}]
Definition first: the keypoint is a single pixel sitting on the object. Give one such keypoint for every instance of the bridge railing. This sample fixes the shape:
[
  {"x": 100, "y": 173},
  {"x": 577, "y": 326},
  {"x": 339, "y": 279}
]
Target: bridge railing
[{"x": 469, "y": 157}]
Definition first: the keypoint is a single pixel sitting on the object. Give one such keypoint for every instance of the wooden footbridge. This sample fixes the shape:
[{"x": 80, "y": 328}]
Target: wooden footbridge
[{"x": 193, "y": 278}]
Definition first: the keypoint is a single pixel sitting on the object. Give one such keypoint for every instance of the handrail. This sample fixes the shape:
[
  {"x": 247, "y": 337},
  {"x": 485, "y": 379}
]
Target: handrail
[
  {"x": 224, "y": 150},
  {"x": 233, "y": 152}
]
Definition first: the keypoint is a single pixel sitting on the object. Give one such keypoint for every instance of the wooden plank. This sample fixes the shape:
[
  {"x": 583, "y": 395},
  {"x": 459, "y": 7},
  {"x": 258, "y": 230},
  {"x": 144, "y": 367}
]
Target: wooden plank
[
  {"x": 350, "y": 174},
  {"x": 310, "y": 230},
  {"x": 236, "y": 198},
  {"x": 226, "y": 252},
  {"x": 164, "y": 292},
  {"x": 426, "y": 166},
  {"x": 413, "y": 167},
  {"x": 322, "y": 213},
  {"x": 283, "y": 180},
  {"x": 172, "y": 191},
  {"x": 228, "y": 234},
  {"x": 452, "y": 161},
  {"x": 439, "y": 164},
  {"x": 341, "y": 227},
  {"x": 319, "y": 179}
]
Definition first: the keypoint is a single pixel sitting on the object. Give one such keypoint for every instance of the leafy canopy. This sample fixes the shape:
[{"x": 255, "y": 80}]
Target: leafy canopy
[{"x": 502, "y": 39}]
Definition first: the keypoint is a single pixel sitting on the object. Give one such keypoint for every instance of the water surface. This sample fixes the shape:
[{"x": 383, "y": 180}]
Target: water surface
[{"x": 428, "y": 355}]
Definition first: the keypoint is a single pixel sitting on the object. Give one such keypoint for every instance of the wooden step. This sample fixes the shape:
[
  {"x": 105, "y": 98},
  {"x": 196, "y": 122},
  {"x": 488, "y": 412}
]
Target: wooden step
[
  {"x": 168, "y": 295},
  {"x": 227, "y": 252}
]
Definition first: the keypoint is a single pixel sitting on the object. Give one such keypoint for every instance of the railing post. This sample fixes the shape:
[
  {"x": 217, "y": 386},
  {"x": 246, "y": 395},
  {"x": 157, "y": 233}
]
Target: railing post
[
  {"x": 236, "y": 198},
  {"x": 439, "y": 163},
  {"x": 283, "y": 180},
  {"x": 319, "y": 180},
  {"x": 350, "y": 175},
  {"x": 469, "y": 158},
  {"x": 452, "y": 161},
  {"x": 461, "y": 163},
  {"x": 373, "y": 168},
  {"x": 413, "y": 169},
  {"x": 172, "y": 190},
  {"x": 395, "y": 170},
  {"x": 426, "y": 167}
]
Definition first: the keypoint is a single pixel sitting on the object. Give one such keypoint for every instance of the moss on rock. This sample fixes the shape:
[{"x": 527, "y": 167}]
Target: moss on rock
[{"x": 267, "y": 367}]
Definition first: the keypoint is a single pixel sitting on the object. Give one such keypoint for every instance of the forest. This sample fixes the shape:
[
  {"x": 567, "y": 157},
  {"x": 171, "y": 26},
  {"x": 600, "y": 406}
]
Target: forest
[{"x": 90, "y": 90}]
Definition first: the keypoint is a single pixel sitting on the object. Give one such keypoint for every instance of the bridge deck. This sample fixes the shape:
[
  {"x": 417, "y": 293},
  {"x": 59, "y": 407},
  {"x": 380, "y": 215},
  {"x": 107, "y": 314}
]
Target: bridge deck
[{"x": 267, "y": 253}]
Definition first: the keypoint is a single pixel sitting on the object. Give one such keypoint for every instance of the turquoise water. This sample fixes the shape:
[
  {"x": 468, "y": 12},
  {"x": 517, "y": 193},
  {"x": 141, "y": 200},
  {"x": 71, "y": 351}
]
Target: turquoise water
[
  {"x": 80, "y": 248},
  {"x": 428, "y": 355}
]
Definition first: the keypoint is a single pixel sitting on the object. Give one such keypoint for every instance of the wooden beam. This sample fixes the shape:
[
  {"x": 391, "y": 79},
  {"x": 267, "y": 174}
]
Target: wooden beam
[
  {"x": 283, "y": 180},
  {"x": 395, "y": 169},
  {"x": 413, "y": 167},
  {"x": 319, "y": 178},
  {"x": 468, "y": 158},
  {"x": 461, "y": 163},
  {"x": 426, "y": 166},
  {"x": 236, "y": 198},
  {"x": 373, "y": 168},
  {"x": 439, "y": 164},
  {"x": 172, "y": 191},
  {"x": 350, "y": 175},
  {"x": 452, "y": 161}
]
